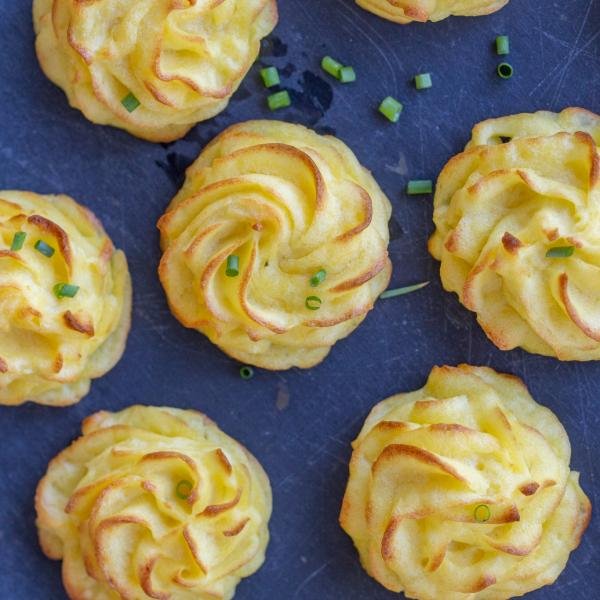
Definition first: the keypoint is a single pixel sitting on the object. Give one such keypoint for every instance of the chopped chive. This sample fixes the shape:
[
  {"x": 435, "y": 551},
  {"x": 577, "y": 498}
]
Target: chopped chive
[
  {"x": 560, "y": 252},
  {"x": 331, "y": 66},
  {"x": 233, "y": 266},
  {"x": 482, "y": 513},
  {"x": 65, "y": 290},
  {"x": 246, "y": 372},
  {"x": 130, "y": 102},
  {"x": 270, "y": 76},
  {"x": 505, "y": 70},
  {"x": 44, "y": 249},
  {"x": 318, "y": 278},
  {"x": 184, "y": 489},
  {"x": 423, "y": 81},
  {"x": 403, "y": 290},
  {"x": 416, "y": 187},
  {"x": 347, "y": 75},
  {"x": 279, "y": 100},
  {"x": 313, "y": 303},
  {"x": 18, "y": 241},
  {"x": 391, "y": 109},
  {"x": 502, "y": 45}
]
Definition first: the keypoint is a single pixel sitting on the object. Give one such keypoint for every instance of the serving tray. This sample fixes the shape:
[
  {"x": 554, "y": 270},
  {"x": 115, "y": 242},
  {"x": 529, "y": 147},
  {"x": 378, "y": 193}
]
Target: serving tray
[{"x": 300, "y": 424}]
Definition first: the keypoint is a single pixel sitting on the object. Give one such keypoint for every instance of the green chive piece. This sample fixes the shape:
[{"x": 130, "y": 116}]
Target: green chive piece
[
  {"x": 18, "y": 241},
  {"x": 279, "y": 100},
  {"x": 318, "y": 278},
  {"x": 482, "y": 513},
  {"x": 347, "y": 75},
  {"x": 65, "y": 290},
  {"x": 184, "y": 489},
  {"x": 130, "y": 102},
  {"x": 502, "y": 45},
  {"x": 331, "y": 66},
  {"x": 44, "y": 249},
  {"x": 270, "y": 76},
  {"x": 416, "y": 187},
  {"x": 403, "y": 290},
  {"x": 391, "y": 109},
  {"x": 423, "y": 81},
  {"x": 246, "y": 372},
  {"x": 233, "y": 266},
  {"x": 313, "y": 303},
  {"x": 505, "y": 70},
  {"x": 560, "y": 252}
]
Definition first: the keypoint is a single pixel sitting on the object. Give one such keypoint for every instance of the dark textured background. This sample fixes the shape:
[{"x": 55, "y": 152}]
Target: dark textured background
[{"x": 300, "y": 424}]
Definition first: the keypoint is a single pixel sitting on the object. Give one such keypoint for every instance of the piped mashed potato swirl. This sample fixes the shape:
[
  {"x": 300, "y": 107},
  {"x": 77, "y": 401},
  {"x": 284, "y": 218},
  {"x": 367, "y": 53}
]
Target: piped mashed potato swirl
[
  {"x": 462, "y": 490},
  {"x": 154, "y": 503},
  {"x": 52, "y": 346},
  {"x": 288, "y": 203},
  {"x": 408, "y": 11},
  {"x": 527, "y": 185},
  {"x": 180, "y": 59}
]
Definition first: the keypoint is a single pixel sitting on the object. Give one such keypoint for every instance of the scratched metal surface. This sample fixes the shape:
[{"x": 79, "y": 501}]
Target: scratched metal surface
[{"x": 300, "y": 424}]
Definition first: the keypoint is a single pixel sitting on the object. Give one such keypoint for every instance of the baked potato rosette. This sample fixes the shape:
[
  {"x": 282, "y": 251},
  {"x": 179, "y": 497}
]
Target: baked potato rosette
[
  {"x": 462, "y": 490},
  {"x": 288, "y": 204},
  {"x": 51, "y": 344},
  {"x": 518, "y": 232},
  {"x": 152, "y": 67},
  {"x": 154, "y": 503},
  {"x": 407, "y": 11}
]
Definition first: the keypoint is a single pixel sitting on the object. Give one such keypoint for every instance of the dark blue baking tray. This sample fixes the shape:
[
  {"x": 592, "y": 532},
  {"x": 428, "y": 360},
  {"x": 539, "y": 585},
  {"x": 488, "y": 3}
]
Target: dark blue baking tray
[{"x": 300, "y": 423}]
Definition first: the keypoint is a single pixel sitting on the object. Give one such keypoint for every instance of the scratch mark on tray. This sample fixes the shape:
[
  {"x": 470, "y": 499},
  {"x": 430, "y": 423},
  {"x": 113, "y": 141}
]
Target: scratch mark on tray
[
  {"x": 562, "y": 68},
  {"x": 310, "y": 578},
  {"x": 572, "y": 54},
  {"x": 400, "y": 168},
  {"x": 361, "y": 26},
  {"x": 283, "y": 396}
]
